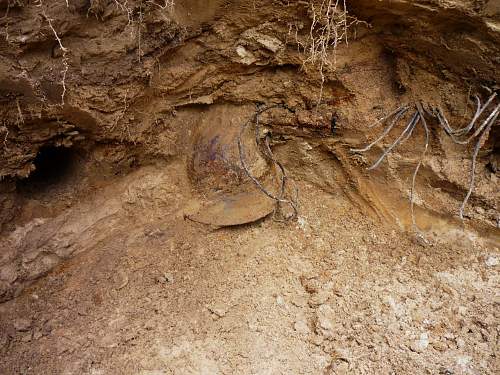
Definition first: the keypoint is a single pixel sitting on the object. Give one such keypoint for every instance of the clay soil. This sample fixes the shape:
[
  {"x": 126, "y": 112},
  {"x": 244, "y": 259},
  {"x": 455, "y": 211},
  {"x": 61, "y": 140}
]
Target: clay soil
[{"x": 104, "y": 268}]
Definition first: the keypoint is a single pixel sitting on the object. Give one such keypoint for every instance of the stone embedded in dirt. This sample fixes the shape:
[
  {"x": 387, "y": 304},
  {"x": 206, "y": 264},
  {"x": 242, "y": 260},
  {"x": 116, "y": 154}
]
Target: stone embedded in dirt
[
  {"x": 8, "y": 273},
  {"x": 168, "y": 277},
  {"x": 37, "y": 334},
  {"x": 460, "y": 343},
  {"x": 491, "y": 261},
  {"x": 22, "y": 325},
  {"x": 298, "y": 301},
  {"x": 324, "y": 323},
  {"x": 319, "y": 298},
  {"x": 247, "y": 57},
  {"x": 218, "y": 310},
  {"x": 463, "y": 361},
  {"x": 301, "y": 326},
  {"x": 418, "y": 346}
]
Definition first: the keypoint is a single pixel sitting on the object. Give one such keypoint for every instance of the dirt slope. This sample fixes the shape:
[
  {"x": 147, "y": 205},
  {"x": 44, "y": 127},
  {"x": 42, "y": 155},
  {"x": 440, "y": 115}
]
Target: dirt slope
[{"x": 106, "y": 108}]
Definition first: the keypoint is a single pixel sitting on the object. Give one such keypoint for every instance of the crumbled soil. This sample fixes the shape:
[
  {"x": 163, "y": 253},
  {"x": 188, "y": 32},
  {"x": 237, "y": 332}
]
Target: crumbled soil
[{"x": 103, "y": 269}]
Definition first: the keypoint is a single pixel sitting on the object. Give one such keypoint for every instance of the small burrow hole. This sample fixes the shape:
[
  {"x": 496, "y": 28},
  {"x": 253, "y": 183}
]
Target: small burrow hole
[{"x": 53, "y": 166}]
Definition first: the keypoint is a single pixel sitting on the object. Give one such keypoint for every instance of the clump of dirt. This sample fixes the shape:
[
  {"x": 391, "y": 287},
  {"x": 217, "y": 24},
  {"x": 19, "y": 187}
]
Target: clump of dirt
[{"x": 120, "y": 121}]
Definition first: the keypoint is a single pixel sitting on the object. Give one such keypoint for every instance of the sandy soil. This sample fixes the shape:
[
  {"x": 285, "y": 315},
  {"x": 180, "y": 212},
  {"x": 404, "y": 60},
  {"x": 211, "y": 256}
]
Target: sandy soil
[{"x": 333, "y": 292}]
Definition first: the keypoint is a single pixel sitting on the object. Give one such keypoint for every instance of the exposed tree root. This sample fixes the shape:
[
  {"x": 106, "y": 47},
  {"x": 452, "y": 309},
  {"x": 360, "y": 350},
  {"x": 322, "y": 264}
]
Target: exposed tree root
[
  {"x": 280, "y": 198},
  {"x": 462, "y": 135}
]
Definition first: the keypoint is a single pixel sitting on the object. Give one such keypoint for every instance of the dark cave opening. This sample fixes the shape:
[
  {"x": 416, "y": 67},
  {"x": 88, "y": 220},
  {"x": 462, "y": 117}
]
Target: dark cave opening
[{"x": 53, "y": 166}]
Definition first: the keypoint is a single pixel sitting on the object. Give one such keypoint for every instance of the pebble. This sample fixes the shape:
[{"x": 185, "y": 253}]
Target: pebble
[
  {"x": 324, "y": 325},
  {"x": 491, "y": 261},
  {"x": 439, "y": 346},
  {"x": 298, "y": 301},
  {"x": 418, "y": 346},
  {"x": 22, "y": 325},
  {"x": 319, "y": 298},
  {"x": 301, "y": 326},
  {"x": 219, "y": 310}
]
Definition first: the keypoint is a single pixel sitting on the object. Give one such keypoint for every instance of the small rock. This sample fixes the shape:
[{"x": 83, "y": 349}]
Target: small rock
[
  {"x": 324, "y": 324},
  {"x": 319, "y": 298},
  {"x": 219, "y": 310},
  {"x": 418, "y": 346},
  {"x": 167, "y": 277},
  {"x": 298, "y": 301},
  {"x": 491, "y": 261},
  {"x": 302, "y": 223},
  {"x": 301, "y": 326},
  {"x": 463, "y": 361},
  {"x": 246, "y": 56},
  {"x": 37, "y": 334},
  {"x": 22, "y": 325},
  {"x": 439, "y": 346}
]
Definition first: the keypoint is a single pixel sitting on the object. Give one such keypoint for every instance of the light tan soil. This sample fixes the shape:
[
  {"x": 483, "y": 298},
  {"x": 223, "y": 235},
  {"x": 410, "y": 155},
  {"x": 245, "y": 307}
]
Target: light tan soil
[{"x": 103, "y": 272}]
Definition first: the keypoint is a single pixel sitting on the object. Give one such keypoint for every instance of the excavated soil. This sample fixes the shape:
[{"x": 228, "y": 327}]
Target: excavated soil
[{"x": 132, "y": 240}]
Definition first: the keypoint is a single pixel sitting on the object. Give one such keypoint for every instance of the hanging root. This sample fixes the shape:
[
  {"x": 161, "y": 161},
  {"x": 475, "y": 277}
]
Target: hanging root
[
  {"x": 477, "y": 147},
  {"x": 280, "y": 199},
  {"x": 404, "y": 135},
  {"x": 329, "y": 27},
  {"x": 415, "y": 119},
  {"x": 426, "y": 129},
  {"x": 462, "y": 135},
  {"x": 63, "y": 49},
  {"x": 481, "y": 131},
  {"x": 399, "y": 113}
]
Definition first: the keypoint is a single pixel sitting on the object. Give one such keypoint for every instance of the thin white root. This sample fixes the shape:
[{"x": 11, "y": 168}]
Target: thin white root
[
  {"x": 329, "y": 27},
  {"x": 63, "y": 49},
  {"x": 477, "y": 147},
  {"x": 386, "y": 131},
  {"x": 480, "y": 133},
  {"x": 409, "y": 128},
  {"x": 417, "y": 168},
  {"x": 385, "y": 118}
]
